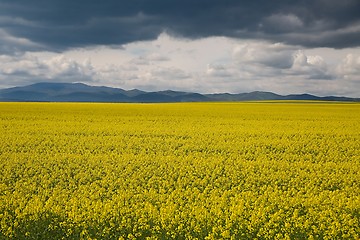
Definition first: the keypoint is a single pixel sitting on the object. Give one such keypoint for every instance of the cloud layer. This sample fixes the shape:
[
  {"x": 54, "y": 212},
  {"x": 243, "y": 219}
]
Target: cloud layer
[{"x": 57, "y": 25}]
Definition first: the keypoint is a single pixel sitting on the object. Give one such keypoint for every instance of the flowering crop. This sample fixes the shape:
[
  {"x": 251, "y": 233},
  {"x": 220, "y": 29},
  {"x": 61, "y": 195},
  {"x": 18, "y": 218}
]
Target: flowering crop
[{"x": 180, "y": 171}]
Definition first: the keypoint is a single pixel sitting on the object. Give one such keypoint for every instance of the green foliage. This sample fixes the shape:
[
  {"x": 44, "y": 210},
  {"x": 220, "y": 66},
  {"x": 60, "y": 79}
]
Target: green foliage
[{"x": 179, "y": 171}]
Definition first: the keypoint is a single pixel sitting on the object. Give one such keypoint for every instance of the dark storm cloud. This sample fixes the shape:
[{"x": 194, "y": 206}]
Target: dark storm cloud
[{"x": 61, "y": 24}]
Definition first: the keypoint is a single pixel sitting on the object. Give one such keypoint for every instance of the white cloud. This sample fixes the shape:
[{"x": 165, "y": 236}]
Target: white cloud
[
  {"x": 203, "y": 65},
  {"x": 62, "y": 66},
  {"x": 272, "y": 55},
  {"x": 157, "y": 57},
  {"x": 27, "y": 68},
  {"x": 149, "y": 59},
  {"x": 310, "y": 67},
  {"x": 219, "y": 70},
  {"x": 161, "y": 78},
  {"x": 349, "y": 68}
]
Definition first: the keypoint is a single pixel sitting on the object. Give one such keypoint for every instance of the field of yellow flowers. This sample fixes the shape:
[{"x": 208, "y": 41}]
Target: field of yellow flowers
[{"x": 278, "y": 170}]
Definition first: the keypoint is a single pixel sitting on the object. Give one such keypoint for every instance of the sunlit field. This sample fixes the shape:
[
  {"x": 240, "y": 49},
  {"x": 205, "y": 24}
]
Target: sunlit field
[{"x": 288, "y": 170}]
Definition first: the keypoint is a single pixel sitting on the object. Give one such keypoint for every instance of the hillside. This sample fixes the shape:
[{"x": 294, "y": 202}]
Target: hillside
[{"x": 79, "y": 92}]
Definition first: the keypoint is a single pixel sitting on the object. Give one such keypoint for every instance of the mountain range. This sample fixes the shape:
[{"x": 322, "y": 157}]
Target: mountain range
[{"x": 79, "y": 92}]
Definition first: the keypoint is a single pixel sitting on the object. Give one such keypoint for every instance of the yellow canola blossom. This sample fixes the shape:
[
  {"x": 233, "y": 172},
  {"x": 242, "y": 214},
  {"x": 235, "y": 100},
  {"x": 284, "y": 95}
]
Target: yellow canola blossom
[{"x": 288, "y": 170}]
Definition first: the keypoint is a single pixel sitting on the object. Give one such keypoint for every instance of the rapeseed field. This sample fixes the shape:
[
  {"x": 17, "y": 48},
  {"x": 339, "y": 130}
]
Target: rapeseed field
[{"x": 279, "y": 170}]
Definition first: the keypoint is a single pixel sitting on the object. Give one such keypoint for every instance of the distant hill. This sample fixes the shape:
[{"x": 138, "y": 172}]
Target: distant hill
[
  {"x": 79, "y": 92},
  {"x": 257, "y": 95}
]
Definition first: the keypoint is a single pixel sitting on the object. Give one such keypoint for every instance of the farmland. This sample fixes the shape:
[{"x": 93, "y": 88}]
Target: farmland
[{"x": 286, "y": 170}]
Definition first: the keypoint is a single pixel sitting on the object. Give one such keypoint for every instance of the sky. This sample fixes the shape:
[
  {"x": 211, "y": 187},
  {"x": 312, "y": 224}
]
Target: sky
[{"x": 205, "y": 46}]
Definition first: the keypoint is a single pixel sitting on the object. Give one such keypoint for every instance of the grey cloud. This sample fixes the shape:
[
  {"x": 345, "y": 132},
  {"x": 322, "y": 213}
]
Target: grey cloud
[
  {"x": 13, "y": 45},
  {"x": 283, "y": 23},
  {"x": 346, "y": 37},
  {"x": 57, "y": 25}
]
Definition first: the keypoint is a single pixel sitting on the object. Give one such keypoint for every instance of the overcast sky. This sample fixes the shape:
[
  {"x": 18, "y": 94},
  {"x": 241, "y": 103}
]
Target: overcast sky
[{"x": 305, "y": 46}]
